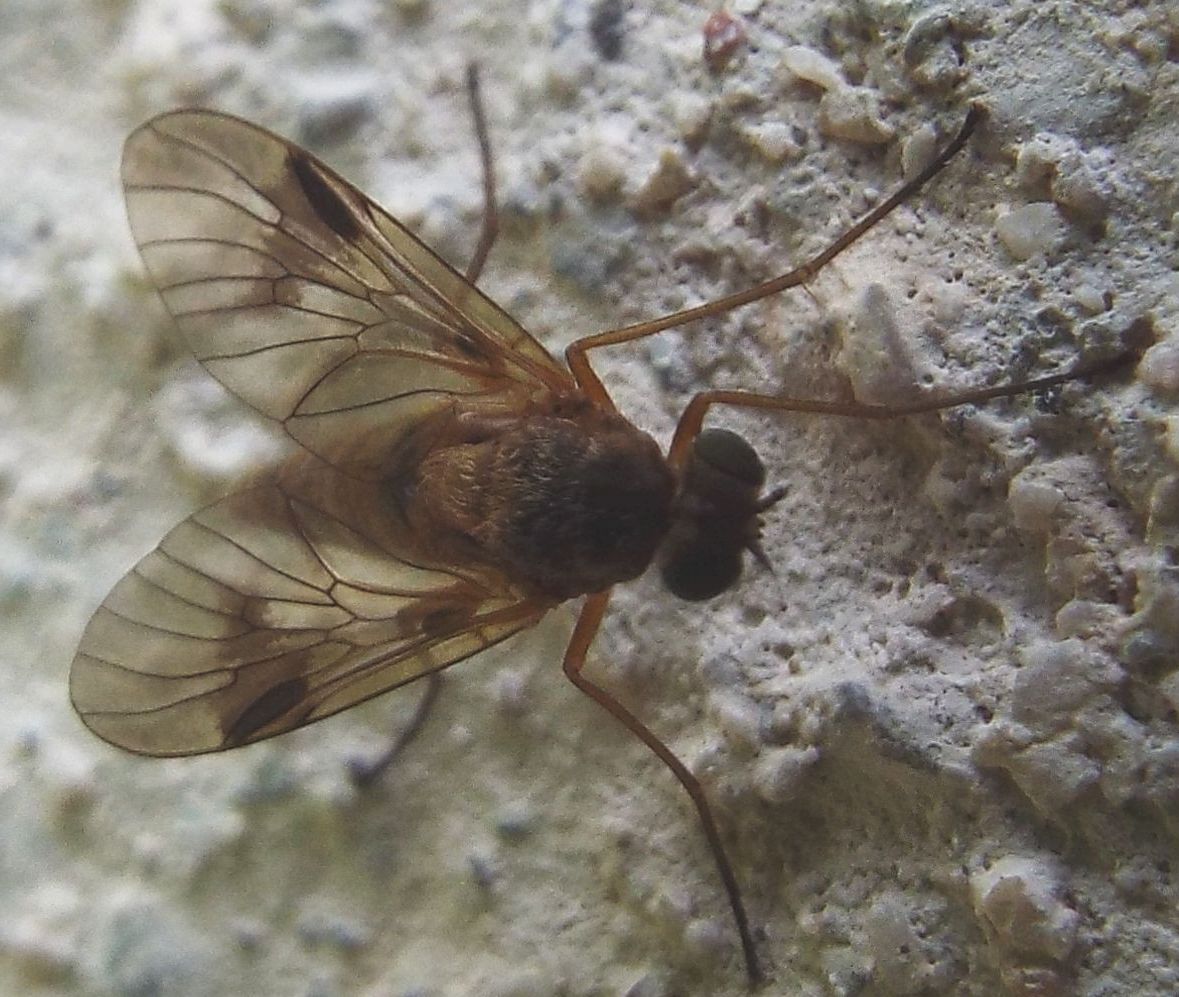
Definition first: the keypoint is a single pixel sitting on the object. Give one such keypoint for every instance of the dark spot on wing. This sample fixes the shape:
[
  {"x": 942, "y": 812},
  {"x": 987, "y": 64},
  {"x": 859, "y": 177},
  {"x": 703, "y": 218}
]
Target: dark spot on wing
[
  {"x": 328, "y": 206},
  {"x": 447, "y": 619},
  {"x": 435, "y": 617},
  {"x": 470, "y": 347},
  {"x": 268, "y": 707}
]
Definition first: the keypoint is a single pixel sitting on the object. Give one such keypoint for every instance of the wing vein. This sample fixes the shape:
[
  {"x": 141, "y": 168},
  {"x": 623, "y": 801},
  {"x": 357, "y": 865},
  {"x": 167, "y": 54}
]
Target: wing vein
[{"x": 266, "y": 564}]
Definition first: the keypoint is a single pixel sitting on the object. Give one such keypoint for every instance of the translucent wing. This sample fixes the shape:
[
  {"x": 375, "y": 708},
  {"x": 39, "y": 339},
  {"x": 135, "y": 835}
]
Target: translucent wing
[
  {"x": 305, "y": 299},
  {"x": 274, "y": 608}
]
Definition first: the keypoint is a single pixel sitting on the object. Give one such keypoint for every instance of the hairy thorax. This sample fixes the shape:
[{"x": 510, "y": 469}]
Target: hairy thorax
[{"x": 564, "y": 502}]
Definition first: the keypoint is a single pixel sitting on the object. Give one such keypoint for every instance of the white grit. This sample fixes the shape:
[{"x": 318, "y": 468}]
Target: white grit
[{"x": 941, "y": 737}]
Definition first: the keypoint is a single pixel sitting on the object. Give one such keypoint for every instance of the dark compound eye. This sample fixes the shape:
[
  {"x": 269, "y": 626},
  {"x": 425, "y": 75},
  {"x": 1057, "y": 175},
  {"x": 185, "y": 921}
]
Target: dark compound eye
[
  {"x": 728, "y": 453},
  {"x": 700, "y": 570}
]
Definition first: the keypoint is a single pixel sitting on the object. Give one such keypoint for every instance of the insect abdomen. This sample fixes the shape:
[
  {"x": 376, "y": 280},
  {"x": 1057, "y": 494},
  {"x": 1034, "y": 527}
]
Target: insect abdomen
[{"x": 563, "y": 507}]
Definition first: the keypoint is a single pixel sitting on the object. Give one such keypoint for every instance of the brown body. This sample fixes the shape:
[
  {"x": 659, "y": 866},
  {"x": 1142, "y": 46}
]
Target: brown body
[{"x": 565, "y": 500}]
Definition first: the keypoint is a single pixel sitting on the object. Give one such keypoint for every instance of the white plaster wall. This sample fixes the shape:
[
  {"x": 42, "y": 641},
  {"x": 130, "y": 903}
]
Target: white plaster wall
[{"x": 941, "y": 737}]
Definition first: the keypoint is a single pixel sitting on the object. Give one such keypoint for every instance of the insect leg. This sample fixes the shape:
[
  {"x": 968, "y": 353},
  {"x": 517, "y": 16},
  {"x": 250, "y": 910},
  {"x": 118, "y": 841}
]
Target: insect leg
[
  {"x": 575, "y": 352},
  {"x": 490, "y": 228},
  {"x": 365, "y": 773},
  {"x": 689, "y": 425},
  {"x": 583, "y": 635}
]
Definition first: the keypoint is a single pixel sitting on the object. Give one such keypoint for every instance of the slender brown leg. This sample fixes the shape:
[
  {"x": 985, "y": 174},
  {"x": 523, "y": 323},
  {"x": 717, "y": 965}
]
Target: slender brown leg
[
  {"x": 575, "y": 352},
  {"x": 490, "y": 228},
  {"x": 365, "y": 773},
  {"x": 688, "y": 428},
  {"x": 583, "y": 635}
]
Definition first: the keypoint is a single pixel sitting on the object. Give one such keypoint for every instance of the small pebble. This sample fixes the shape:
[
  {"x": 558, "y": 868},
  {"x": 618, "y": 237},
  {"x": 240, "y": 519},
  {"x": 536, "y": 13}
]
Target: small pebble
[
  {"x": 1159, "y": 367},
  {"x": 666, "y": 184},
  {"x": 1030, "y": 229},
  {"x": 692, "y": 115},
  {"x": 1056, "y": 680},
  {"x": 809, "y": 65},
  {"x": 602, "y": 171},
  {"x": 772, "y": 140},
  {"x": 874, "y": 354},
  {"x": 1089, "y": 298},
  {"x": 1034, "y": 502},
  {"x": 1081, "y": 190},
  {"x": 853, "y": 114},
  {"x": 1085, "y": 618},
  {"x": 736, "y": 715},
  {"x": 778, "y": 772},
  {"x": 1035, "y": 164},
  {"x": 1018, "y": 900},
  {"x": 724, "y": 35},
  {"x": 918, "y": 151}
]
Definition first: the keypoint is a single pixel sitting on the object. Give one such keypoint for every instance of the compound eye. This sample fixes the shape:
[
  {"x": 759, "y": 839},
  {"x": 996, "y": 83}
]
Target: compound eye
[
  {"x": 698, "y": 571},
  {"x": 730, "y": 454}
]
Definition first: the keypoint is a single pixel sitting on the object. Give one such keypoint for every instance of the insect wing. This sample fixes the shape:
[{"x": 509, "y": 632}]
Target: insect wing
[
  {"x": 306, "y": 299},
  {"x": 273, "y": 608}
]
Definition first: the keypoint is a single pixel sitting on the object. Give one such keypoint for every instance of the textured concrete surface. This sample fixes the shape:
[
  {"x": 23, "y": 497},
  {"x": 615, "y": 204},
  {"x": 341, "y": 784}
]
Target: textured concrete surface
[{"x": 941, "y": 737}]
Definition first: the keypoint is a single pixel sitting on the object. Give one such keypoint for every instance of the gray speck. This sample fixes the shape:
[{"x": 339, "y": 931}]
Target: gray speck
[
  {"x": 145, "y": 954},
  {"x": 515, "y": 823},
  {"x": 855, "y": 702},
  {"x": 273, "y": 779},
  {"x": 323, "y": 928},
  {"x": 483, "y": 871},
  {"x": 334, "y": 109},
  {"x": 578, "y": 263},
  {"x": 607, "y": 28}
]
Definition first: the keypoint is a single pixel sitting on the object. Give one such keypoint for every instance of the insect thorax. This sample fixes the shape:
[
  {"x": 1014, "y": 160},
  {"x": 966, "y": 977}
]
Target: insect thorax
[{"x": 561, "y": 505}]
